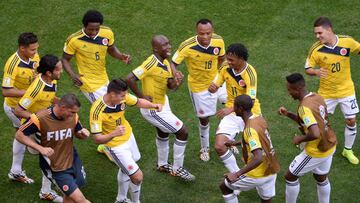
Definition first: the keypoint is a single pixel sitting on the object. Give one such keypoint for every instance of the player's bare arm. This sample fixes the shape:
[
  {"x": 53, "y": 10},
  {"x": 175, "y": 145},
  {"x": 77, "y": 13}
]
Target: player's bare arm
[
  {"x": 284, "y": 112},
  {"x": 114, "y": 52},
  {"x": 131, "y": 80},
  {"x": 143, "y": 103},
  {"x": 21, "y": 137},
  {"x": 313, "y": 133},
  {"x": 68, "y": 68},
  {"x": 224, "y": 112},
  {"x": 104, "y": 138},
  {"x": 21, "y": 113},
  {"x": 83, "y": 133},
  {"x": 320, "y": 72},
  {"x": 255, "y": 162},
  {"x": 12, "y": 92}
]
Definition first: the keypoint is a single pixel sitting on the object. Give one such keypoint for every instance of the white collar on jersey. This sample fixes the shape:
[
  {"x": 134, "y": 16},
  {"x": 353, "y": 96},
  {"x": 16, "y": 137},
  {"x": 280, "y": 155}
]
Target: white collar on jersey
[
  {"x": 49, "y": 85},
  {"x": 111, "y": 107},
  {"x": 27, "y": 63},
  {"x": 333, "y": 47},
  {"x": 88, "y": 35},
  {"x": 201, "y": 45},
  {"x": 159, "y": 60},
  {"x": 236, "y": 74},
  {"x": 309, "y": 94}
]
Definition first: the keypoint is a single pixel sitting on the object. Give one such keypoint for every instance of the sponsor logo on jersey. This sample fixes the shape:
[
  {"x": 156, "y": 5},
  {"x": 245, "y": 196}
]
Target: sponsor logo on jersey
[
  {"x": 59, "y": 134},
  {"x": 307, "y": 121},
  {"x": 252, "y": 143},
  {"x": 252, "y": 93},
  {"x": 105, "y": 41},
  {"x": 343, "y": 52}
]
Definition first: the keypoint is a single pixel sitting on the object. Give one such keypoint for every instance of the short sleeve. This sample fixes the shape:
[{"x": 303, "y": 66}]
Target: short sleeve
[
  {"x": 251, "y": 137},
  {"x": 69, "y": 47},
  {"x": 131, "y": 100},
  {"x": 9, "y": 77},
  {"x": 306, "y": 116},
  {"x": 31, "y": 126}
]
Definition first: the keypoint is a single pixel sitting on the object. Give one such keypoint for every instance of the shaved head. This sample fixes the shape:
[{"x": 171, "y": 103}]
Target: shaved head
[
  {"x": 161, "y": 46},
  {"x": 157, "y": 39}
]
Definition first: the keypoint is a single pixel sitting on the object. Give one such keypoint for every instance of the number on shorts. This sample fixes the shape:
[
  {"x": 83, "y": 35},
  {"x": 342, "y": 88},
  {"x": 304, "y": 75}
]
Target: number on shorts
[{"x": 353, "y": 104}]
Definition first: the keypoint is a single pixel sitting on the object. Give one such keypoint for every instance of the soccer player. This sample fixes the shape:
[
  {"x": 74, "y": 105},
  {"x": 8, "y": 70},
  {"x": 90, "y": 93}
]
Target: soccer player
[
  {"x": 203, "y": 54},
  {"x": 156, "y": 78},
  {"x": 240, "y": 78},
  {"x": 110, "y": 127},
  {"x": 318, "y": 136},
  {"x": 58, "y": 157},
  {"x": 19, "y": 72},
  {"x": 90, "y": 46},
  {"x": 41, "y": 95},
  {"x": 259, "y": 156},
  {"x": 331, "y": 53}
]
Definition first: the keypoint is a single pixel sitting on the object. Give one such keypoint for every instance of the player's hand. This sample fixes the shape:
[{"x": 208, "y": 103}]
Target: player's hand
[
  {"x": 231, "y": 177},
  {"x": 46, "y": 151},
  {"x": 83, "y": 133},
  {"x": 158, "y": 107},
  {"x": 283, "y": 111},
  {"x": 149, "y": 98},
  {"x": 179, "y": 76},
  {"x": 297, "y": 139},
  {"x": 213, "y": 88},
  {"x": 119, "y": 131},
  {"x": 126, "y": 58},
  {"x": 230, "y": 143},
  {"x": 323, "y": 72},
  {"x": 76, "y": 79},
  {"x": 224, "y": 112}
]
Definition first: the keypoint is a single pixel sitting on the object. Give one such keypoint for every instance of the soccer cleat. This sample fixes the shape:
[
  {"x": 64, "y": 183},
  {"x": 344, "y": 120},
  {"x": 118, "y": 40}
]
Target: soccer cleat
[
  {"x": 183, "y": 174},
  {"x": 204, "y": 154},
  {"x": 167, "y": 168},
  {"x": 126, "y": 200},
  {"x": 20, "y": 177},
  {"x": 102, "y": 149},
  {"x": 234, "y": 150},
  {"x": 349, "y": 154},
  {"x": 51, "y": 196}
]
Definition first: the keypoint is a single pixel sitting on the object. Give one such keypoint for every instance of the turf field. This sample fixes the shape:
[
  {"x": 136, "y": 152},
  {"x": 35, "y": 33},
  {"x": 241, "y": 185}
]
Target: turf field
[{"x": 278, "y": 35}]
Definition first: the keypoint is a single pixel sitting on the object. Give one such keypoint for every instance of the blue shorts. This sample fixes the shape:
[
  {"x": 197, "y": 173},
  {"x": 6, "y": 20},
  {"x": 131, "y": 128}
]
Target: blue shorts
[{"x": 68, "y": 180}]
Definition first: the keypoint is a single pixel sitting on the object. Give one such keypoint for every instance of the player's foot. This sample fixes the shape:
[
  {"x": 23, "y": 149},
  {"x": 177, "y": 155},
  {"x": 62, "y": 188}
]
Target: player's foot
[
  {"x": 126, "y": 200},
  {"x": 183, "y": 174},
  {"x": 167, "y": 168},
  {"x": 234, "y": 150},
  {"x": 51, "y": 196},
  {"x": 102, "y": 149},
  {"x": 204, "y": 154},
  {"x": 20, "y": 177},
  {"x": 349, "y": 154}
]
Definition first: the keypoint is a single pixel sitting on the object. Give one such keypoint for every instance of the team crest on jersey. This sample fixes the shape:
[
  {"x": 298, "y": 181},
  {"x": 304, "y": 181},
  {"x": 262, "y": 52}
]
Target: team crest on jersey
[
  {"x": 65, "y": 188},
  {"x": 105, "y": 41},
  {"x": 343, "y": 52},
  {"x": 242, "y": 83},
  {"x": 122, "y": 106},
  {"x": 216, "y": 51},
  {"x": 34, "y": 65}
]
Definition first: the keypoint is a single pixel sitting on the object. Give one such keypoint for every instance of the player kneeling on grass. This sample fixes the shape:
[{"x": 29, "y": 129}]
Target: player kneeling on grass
[
  {"x": 156, "y": 78},
  {"x": 259, "y": 155},
  {"x": 59, "y": 160},
  {"x": 319, "y": 137},
  {"x": 110, "y": 127}
]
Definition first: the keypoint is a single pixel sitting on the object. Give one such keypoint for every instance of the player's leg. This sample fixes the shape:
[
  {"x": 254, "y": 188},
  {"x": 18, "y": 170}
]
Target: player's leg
[
  {"x": 204, "y": 104},
  {"x": 76, "y": 197},
  {"x": 320, "y": 174},
  {"x": 243, "y": 183},
  {"x": 18, "y": 150},
  {"x": 349, "y": 107},
  {"x": 135, "y": 185},
  {"x": 266, "y": 188},
  {"x": 179, "y": 154},
  {"x": 48, "y": 177},
  {"x": 228, "y": 129},
  {"x": 162, "y": 146},
  {"x": 228, "y": 194},
  {"x": 292, "y": 187},
  {"x": 222, "y": 95}
]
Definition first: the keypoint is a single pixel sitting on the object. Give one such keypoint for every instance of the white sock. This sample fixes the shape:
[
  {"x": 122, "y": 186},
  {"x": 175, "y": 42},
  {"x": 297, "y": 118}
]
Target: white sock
[
  {"x": 323, "y": 191},
  {"x": 123, "y": 185},
  {"x": 292, "y": 191},
  {"x": 135, "y": 192},
  {"x": 162, "y": 145},
  {"x": 230, "y": 198},
  {"x": 179, "y": 153},
  {"x": 18, "y": 156},
  {"x": 204, "y": 135},
  {"x": 46, "y": 184},
  {"x": 229, "y": 161},
  {"x": 350, "y": 135}
]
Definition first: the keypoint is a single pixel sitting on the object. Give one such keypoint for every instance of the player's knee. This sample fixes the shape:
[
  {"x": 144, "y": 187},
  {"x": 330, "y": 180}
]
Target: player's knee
[
  {"x": 350, "y": 121},
  {"x": 182, "y": 134},
  {"x": 290, "y": 177},
  {"x": 204, "y": 121},
  {"x": 76, "y": 196},
  {"x": 137, "y": 177},
  {"x": 224, "y": 189},
  {"x": 220, "y": 147},
  {"x": 320, "y": 178}
]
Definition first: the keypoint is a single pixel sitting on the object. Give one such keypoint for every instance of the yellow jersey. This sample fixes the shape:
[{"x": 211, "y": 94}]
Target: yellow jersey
[
  {"x": 104, "y": 119},
  {"x": 18, "y": 74},
  {"x": 201, "y": 62},
  {"x": 312, "y": 111},
  {"x": 39, "y": 95},
  {"x": 90, "y": 57},
  {"x": 154, "y": 77},
  {"x": 338, "y": 82},
  {"x": 237, "y": 84}
]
